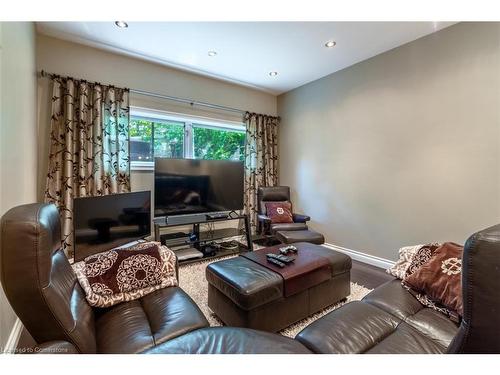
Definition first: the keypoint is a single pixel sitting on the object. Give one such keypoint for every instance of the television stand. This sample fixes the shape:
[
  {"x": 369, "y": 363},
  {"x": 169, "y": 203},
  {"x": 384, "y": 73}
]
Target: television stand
[{"x": 199, "y": 240}]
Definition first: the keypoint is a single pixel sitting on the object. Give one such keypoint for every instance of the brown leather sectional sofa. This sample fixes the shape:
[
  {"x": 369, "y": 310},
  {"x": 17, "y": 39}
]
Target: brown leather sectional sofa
[{"x": 45, "y": 294}]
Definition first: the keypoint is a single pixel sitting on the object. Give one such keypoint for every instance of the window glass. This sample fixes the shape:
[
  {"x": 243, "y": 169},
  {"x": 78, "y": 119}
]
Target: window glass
[
  {"x": 169, "y": 139},
  {"x": 140, "y": 140},
  {"x": 220, "y": 144}
]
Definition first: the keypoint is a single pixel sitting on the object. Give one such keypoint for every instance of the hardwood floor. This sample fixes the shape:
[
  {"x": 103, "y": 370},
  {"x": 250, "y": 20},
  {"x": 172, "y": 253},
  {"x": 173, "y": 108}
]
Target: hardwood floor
[
  {"x": 367, "y": 275},
  {"x": 361, "y": 273}
]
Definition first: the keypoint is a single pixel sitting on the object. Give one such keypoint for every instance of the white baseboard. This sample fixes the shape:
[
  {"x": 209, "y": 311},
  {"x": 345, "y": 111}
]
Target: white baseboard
[
  {"x": 13, "y": 340},
  {"x": 362, "y": 257}
]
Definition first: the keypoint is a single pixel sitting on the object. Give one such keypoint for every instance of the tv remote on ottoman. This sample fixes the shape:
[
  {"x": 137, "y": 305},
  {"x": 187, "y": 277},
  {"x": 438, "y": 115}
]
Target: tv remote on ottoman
[
  {"x": 282, "y": 258},
  {"x": 288, "y": 249},
  {"x": 275, "y": 261}
]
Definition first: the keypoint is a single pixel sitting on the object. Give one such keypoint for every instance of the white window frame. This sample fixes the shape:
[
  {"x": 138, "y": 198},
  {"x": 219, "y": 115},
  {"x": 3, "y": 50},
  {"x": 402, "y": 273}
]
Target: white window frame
[{"x": 189, "y": 122}]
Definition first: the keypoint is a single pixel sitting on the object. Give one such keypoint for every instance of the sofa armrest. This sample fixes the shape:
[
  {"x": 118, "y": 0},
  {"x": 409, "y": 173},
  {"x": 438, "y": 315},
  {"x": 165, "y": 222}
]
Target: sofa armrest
[
  {"x": 55, "y": 347},
  {"x": 299, "y": 218}
]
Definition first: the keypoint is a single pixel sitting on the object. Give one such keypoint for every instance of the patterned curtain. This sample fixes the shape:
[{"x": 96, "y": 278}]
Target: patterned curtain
[
  {"x": 89, "y": 146},
  {"x": 261, "y": 159}
]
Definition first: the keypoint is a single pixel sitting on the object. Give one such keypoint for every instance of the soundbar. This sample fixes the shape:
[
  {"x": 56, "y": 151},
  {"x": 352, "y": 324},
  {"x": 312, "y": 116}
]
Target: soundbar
[{"x": 180, "y": 219}]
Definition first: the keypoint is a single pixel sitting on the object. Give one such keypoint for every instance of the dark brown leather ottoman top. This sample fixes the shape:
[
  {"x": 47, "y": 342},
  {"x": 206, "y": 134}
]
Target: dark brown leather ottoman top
[
  {"x": 293, "y": 236},
  {"x": 249, "y": 284}
]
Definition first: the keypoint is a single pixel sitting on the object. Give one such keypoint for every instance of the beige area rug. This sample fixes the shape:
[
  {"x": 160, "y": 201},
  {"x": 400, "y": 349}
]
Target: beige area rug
[{"x": 192, "y": 280}]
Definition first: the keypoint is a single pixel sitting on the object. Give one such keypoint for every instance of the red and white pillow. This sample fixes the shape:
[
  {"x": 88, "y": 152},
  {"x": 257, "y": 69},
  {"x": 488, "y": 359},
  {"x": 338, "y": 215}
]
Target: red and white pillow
[{"x": 279, "y": 212}]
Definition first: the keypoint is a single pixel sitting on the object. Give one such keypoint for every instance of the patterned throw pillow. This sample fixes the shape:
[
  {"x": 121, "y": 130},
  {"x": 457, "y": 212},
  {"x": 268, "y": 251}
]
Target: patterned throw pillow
[
  {"x": 279, "y": 212},
  {"x": 126, "y": 274},
  {"x": 406, "y": 254},
  {"x": 437, "y": 282}
]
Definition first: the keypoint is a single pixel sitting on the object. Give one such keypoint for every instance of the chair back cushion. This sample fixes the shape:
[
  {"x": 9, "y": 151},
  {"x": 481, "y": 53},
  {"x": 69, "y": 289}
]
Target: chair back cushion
[
  {"x": 271, "y": 194},
  {"x": 39, "y": 281},
  {"x": 480, "y": 328}
]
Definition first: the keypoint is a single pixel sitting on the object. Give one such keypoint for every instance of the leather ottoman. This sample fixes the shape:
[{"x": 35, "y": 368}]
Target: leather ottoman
[
  {"x": 243, "y": 293},
  {"x": 293, "y": 236}
]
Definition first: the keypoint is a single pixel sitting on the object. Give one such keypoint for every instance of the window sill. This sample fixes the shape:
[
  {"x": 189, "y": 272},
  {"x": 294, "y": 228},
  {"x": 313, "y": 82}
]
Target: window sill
[{"x": 142, "y": 166}]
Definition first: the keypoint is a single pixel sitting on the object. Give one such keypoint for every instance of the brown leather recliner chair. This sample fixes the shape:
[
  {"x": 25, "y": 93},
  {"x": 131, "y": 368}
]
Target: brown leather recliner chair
[
  {"x": 276, "y": 194},
  {"x": 390, "y": 320},
  {"x": 44, "y": 292}
]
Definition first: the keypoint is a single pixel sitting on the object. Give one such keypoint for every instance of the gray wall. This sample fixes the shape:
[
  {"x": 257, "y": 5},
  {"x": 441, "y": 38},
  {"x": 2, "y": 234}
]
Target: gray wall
[
  {"x": 18, "y": 137},
  {"x": 400, "y": 149}
]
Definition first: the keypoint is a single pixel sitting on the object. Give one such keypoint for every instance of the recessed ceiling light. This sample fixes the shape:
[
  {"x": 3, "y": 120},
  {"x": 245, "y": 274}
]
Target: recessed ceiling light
[
  {"x": 121, "y": 24},
  {"x": 330, "y": 44},
  {"x": 273, "y": 74},
  {"x": 212, "y": 53}
]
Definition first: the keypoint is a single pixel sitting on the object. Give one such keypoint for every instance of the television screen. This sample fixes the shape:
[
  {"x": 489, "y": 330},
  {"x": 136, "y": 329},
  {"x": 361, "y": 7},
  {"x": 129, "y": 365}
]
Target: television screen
[
  {"x": 104, "y": 222},
  {"x": 192, "y": 186}
]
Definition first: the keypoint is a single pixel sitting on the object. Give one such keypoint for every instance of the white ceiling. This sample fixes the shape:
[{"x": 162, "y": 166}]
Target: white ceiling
[{"x": 248, "y": 51}]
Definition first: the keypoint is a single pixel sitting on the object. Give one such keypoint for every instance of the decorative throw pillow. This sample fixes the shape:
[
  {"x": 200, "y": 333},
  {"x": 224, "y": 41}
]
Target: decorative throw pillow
[
  {"x": 421, "y": 257},
  {"x": 126, "y": 274},
  {"x": 440, "y": 279},
  {"x": 406, "y": 255},
  {"x": 279, "y": 212}
]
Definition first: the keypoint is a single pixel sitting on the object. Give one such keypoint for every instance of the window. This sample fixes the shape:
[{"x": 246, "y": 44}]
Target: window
[{"x": 158, "y": 134}]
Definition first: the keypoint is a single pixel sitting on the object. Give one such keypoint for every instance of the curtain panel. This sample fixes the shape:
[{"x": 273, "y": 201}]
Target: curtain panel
[
  {"x": 89, "y": 146},
  {"x": 261, "y": 159}
]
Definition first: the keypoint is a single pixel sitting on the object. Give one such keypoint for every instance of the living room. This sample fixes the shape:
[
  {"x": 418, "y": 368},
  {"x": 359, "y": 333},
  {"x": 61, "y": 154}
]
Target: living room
[{"x": 295, "y": 187}]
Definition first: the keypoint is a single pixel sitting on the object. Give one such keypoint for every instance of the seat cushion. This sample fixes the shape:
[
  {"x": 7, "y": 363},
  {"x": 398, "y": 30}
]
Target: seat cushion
[
  {"x": 246, "y": 283},
  {"x": 394, "y": 299},
  {"x": 354, "y": 328},
  {"x": 227, "y": 340},
  {"x": 132, "y": 327},
  {"x": 294, "y": 236}
]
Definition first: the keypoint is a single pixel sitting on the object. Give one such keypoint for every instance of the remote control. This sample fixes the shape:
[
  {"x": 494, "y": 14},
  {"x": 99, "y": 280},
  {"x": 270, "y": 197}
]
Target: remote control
[
  {"x": 290, "y": 248},
  {"x": 281, "y": 258},
  {"x": 276, "y": 262}
]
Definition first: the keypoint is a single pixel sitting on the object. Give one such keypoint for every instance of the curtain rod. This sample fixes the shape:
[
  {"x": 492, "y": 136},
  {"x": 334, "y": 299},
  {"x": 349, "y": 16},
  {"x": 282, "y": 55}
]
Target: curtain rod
[{"x": 167, "y": 97}]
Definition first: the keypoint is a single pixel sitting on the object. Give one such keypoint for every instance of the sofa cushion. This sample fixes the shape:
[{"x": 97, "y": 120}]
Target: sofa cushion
[
  {"x": 394, "y": 299},
  {"x": 387, "y": 320},
  {"x": 132, "y": 327},
  {"x": 354, "y": 328},
  {"x": 406, "y": 340},
  {"x": 227, "y": 340}
]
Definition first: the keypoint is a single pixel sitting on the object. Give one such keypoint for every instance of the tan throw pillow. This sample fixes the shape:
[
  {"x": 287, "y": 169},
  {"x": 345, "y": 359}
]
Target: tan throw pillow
[
  {"x": 279, "y": 212},
  {"x": 126, "y": 274},
  {"x": 406, "y": 255},
  {"x": 440, "y": 279}
]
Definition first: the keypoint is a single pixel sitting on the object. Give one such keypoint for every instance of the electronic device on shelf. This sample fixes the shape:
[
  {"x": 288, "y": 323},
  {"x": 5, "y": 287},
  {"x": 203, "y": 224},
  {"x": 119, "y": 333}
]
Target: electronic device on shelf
[
  {"x": 282, "y": 258},
  {"x": 187, "y": 190},
  {"x": 288, "y": 249},
  {"x": 229, "y": 245},
  {"x": 188, "y": 253},
  {"x": 276, "y": 262},
  {"x": 105, "y": 222},
  {"x": 216, "y": 215}
]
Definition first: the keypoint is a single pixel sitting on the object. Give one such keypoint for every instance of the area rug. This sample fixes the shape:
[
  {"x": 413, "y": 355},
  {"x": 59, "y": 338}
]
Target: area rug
[{"x": 192, "y": 280}]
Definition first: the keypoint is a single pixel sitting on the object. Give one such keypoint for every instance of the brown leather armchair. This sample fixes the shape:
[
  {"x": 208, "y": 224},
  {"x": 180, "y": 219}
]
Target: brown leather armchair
[{"x": 276, "y": 194}]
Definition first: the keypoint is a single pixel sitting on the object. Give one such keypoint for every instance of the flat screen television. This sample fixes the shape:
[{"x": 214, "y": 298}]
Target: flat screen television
[
  {"x": 104, "y": 222},
  {"x": 193, "y": 186}
]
